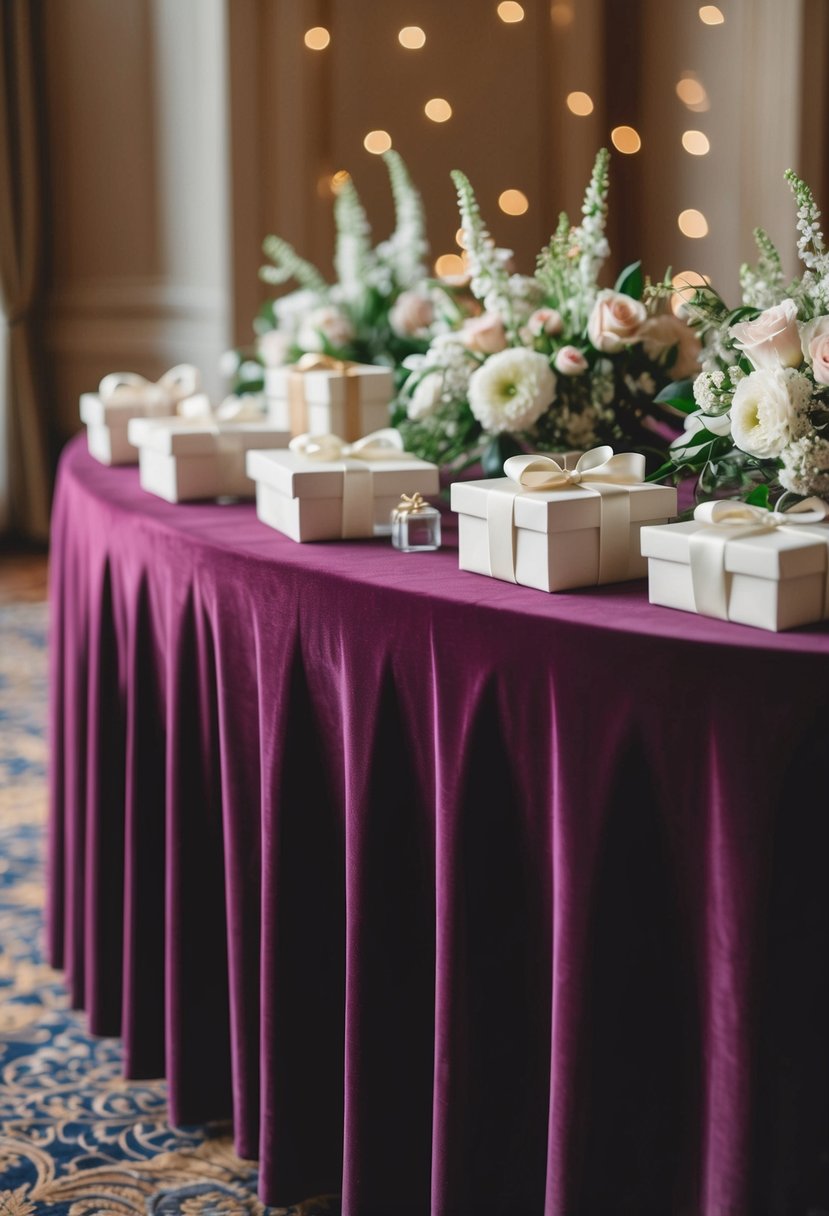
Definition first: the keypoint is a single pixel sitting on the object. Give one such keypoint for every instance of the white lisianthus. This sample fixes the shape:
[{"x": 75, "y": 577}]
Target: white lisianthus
[
  {"x": 769, "y": 410},
  {"x": 324, "y": 325},
  {"x": 511, "y": 390},
  {"x": 426, "y": 396}
]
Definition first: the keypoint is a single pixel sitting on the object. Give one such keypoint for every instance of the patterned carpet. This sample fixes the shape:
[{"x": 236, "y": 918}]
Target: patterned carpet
[{"x": 75, "y": 1138}]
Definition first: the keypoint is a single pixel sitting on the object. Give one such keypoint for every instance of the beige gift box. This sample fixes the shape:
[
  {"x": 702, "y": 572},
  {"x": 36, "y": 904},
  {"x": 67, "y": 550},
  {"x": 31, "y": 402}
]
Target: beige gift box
[
  {"x": 332, "y": 500},
  {"x": 557, "y": 539},
  {"x": 772, "y": 579},
  {"x": 123, "y": 396},
  {"x": 183, "y": 460},
  {"x": 327, "y": 397}
]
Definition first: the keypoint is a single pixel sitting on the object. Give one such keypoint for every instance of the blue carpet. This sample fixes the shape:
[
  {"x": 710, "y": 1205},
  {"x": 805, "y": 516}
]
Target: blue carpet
[{"x": 75, "y": 1138}]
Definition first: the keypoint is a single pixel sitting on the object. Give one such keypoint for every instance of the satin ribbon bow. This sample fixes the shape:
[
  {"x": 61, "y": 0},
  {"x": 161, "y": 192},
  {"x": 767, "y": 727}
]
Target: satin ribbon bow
[
  {"x": 198, "y": 410},
  {"x": 599, "y": 472},
  {"x": 731, "y": 519},
  {"x": 297, "y": 404},
  {"x": 127, "y": 388}
]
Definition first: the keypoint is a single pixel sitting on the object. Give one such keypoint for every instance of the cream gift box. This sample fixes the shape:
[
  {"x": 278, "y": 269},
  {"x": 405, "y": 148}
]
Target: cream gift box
[
  {"x": 340, "y": 497},
  {"x": 184, "y": 459},
  {"x": 122, "y": 396},
  {"x": 323, "y": 396},
  {"x": 553, "y": 528},
  {"x": 744, "y": 564}
]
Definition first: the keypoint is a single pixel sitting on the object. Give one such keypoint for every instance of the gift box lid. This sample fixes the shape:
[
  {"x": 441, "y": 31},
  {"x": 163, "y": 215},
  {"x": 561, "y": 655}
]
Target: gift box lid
[
  {"x": 298, "y": 477},
  {"x": 179, "y": 437},
  {"x": 97, "y": 412},
  {"x": 376, "y": 383},
  {"x": 783, "y": 553},
  {"x": 559, "y": 510}
]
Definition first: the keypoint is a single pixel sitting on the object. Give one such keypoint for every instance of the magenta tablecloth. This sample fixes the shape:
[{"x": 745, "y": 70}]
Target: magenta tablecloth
[{"x": 462, "y": 899}]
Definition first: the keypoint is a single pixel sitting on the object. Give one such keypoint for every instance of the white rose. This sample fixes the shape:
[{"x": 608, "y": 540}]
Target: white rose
[
  {"x": 772, "y": 339},
  {"x": 615, "y": 321},
  {"x": 814, "y": 338},
  {"x": 484, "y": 334},
  {"x": 411, "y": 313},
  {"x": 545, "y": 321},
  {"x": 570, "y": 361},
  {"x": 273, "y": 347},
  {"x": 324, "y": 325},
  {"x": 426, "y": 396},
  {"x": 769, "y": 410},
  {"x": 665, "y": 331},
  {"x": 511, "y": 390}
]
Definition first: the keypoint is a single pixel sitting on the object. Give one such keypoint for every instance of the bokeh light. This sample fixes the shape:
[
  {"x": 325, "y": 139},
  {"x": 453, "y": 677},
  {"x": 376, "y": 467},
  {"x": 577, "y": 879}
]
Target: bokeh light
[
  {"x": 509, "y": 11},
  {"x": 626, "y": 139},
  {"x": 580, "y": 103},
  {"x": 691, "y": 92},
  {"x": 317, "y": 38},
  {"x": 696, "y": 142},
  {"x": 692, "y": 223},
  {"x": 709, "y": 14},
  {"x": 513, "y": 202},
  {"x": 438, "y": 109},
  {"x": 412, "y": 37},
  {"x": 377, "y": 142},
  {"x": 449, "y": 263}
]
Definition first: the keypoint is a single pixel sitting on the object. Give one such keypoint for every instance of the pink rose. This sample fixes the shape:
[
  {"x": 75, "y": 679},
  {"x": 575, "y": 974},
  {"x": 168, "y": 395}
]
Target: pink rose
[
  {"x": 570, "y": 361},
  {"x": 615, "y": 321},
  {"x": 772, "y": 339},
  {"x": 815, "y": 343},
  {"x": 411, "y": 313},
  {"x": 545, "y": 321},
  {"x": 664, "y": 331},
  {"x": 484, "y": 334}
]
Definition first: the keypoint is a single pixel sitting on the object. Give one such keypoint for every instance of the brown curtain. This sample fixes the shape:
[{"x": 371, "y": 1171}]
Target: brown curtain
[{"x": 23, "y": 448}]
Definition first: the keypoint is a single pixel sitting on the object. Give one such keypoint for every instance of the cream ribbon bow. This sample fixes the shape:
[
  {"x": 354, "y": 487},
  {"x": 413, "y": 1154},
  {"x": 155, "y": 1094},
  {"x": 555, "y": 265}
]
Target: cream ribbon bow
[
  {"x": 353, "y": 460},
  {"x": 198, "y": 410},
  {"x": 128, "y": 388},
  {"x": 598, "y": 471},
  {"x": 730, "y": 519}
]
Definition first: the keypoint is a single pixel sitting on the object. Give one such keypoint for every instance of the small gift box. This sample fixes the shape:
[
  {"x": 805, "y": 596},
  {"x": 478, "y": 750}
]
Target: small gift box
[
  {"x": 122, "y": 396},
  {"x": 324, "y": 396},
  {"x": 741, "y": 563},
  {"x": 201, "y": 453},
  {"x": 554, "y": 528},
  {"x": 324, "y": 489}
]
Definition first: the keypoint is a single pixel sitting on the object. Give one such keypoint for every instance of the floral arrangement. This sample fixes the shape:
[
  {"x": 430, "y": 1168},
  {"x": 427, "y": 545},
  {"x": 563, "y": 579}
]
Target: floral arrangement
[
  {"x": 757, "y": 419},
  {"x": 379, "y": 309},
  {"x": 553, "y": 361}
]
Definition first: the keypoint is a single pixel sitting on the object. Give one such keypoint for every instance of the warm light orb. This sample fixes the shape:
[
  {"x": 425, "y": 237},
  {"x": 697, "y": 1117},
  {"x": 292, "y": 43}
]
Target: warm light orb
[
  {"x": 692, "y": 223},
  {"x": 696, "y": 142},
  {"x": 317, "y": 38},
  {"x": 709, "y": 14},
  {"x": 513, "y": 202},
  {"x": 685, "y": 284},
  {"x": 438, "y": 109},
  {"x": 510, "y": 12},
  {"x": 626, "y": 139},
  {"x": 338, "y": 180},
  {"x": 561, "y": 13},
  {"x": 692, "y": 92},
  {"x": 377, "y": 142},
  {"x": 411, "y": 37},
  {"x": 580, "y": 103},
  {"x": 460, "y": 238},
  {"x": 449, "y": 263}
]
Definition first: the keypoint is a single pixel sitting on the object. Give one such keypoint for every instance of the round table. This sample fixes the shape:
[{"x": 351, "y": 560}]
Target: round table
[{"x": 461, "y": 899}]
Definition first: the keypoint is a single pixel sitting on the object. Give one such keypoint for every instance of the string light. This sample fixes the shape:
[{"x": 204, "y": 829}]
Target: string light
[
  {"x": 449, "y": 263},
  {"x": 692, "y": 92},
  {"x": 510, "y": 12},
  {"x": 377, "y": 142},
  {"x": 709, "y": 14},
  {"x": 580, "y": 103},
  {"x": 317, "y": 38},
  {"x": 411, "y": 37},
  {"x": 696, "y": 142},
  {"x": 626, "y": 139},
  {"x": 692, "y": 223},
  {"x": 513, "y": 202},
  {"x": 438, "y": 109}
]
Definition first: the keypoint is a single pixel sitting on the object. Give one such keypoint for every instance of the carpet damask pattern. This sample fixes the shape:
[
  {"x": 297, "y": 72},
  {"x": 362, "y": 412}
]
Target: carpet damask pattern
[{"x": 76, "y": 1139}]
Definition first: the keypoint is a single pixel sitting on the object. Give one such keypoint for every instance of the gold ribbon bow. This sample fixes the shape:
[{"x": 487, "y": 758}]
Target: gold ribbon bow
[
  {"x": 598, "y": 471},
  {"x": 128, "y": 388},
  {"x": 297, "y": 404},
  {"x": 410, "y": 504},
  {"x": 731, "y": 519}
]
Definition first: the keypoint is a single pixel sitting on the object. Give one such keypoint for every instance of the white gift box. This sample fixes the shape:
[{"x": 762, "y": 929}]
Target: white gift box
[
  {"x": 556, "y": 539},
  {"x": 123, "y": 396},
  {"x": 774, "y": 579},
  {"x": 331, "y": 500},
  {"x": 184, "y": 460},
  {"x": 325, "y": 401}
]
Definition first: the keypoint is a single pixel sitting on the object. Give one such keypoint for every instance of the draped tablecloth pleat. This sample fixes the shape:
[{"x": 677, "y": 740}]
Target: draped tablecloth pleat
[{"x": 456, "y": 897}]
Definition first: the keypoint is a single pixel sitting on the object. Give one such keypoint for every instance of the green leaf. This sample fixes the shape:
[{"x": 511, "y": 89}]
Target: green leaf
[
  {"x": 677, "y": 389},
  {"x": 631, "y": 281},
  {"x": 759, "y": 497},
  {"x": 662, "y": 471}
]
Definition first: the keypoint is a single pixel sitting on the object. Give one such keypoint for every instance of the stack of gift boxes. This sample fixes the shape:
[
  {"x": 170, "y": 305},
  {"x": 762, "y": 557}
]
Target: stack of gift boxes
[{"x": 323, "y": 464}]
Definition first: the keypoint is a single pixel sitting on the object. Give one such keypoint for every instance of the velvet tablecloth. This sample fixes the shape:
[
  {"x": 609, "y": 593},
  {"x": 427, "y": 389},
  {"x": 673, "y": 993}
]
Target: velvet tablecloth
[{"x": 461, "y": 899}]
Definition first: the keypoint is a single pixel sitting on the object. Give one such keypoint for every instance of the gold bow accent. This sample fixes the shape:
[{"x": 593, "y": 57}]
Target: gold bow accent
[
  {"x": 599, "y": 465},
  {"x": 410, "y": 504},
  {"x": 297, "y": 404},
  {"x": 385, "y": 444}
]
